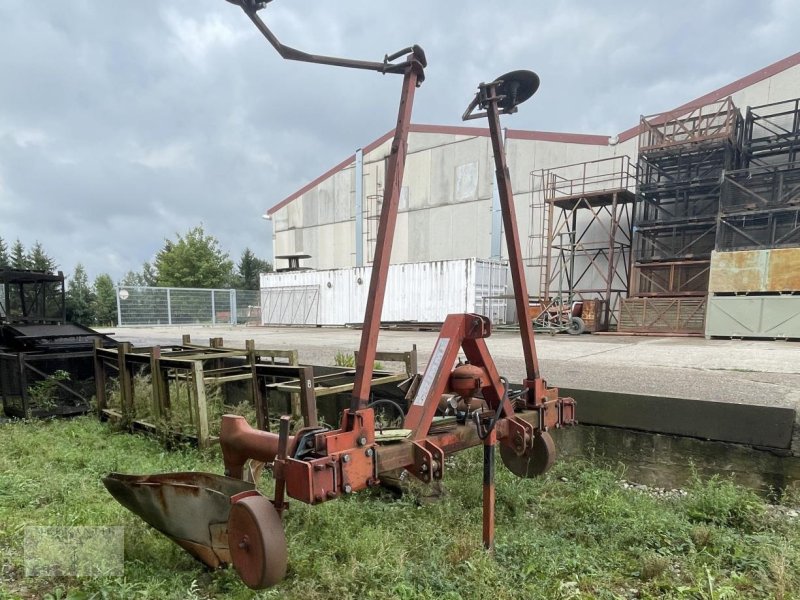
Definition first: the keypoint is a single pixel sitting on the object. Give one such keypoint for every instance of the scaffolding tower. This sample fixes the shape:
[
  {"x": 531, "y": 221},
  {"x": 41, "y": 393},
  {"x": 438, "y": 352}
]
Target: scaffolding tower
[{"x": 588, "y": 216}]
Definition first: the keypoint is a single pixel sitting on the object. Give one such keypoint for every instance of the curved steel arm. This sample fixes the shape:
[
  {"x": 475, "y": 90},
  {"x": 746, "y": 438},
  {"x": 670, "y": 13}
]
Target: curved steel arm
[{"x": 415, "y": 53}]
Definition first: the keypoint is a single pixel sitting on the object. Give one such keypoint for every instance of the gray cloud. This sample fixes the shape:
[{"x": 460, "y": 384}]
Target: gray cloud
[{"x": 122, "y": 123}]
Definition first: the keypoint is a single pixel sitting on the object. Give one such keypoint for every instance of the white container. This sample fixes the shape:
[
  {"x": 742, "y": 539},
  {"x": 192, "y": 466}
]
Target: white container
[{"x": 423, "y": 292}]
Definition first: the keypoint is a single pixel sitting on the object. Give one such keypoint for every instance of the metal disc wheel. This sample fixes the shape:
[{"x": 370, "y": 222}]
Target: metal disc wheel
[
  {"x": 534, "y": 461},
  {"x": 576, "y": 326},
  {"x": 257, "y": 542}
]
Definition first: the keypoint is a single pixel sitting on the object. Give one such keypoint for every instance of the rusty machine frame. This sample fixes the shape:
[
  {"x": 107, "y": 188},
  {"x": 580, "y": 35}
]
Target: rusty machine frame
[{"x": 223, "y": 520}]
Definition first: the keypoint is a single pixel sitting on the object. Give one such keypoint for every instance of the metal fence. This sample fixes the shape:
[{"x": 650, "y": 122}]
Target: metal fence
[{"x": 186, "y": 306}]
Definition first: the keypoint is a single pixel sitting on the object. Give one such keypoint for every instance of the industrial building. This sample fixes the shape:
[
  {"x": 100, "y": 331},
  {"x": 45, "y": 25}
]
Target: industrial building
[{"x": 637, "y": 220}]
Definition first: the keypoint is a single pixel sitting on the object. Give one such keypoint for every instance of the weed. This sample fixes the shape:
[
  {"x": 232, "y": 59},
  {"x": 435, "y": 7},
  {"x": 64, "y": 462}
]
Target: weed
[
  {"x": 348, "y": 360},
  {"x": 344, "y": 359},
  {"x": 720, "y": 502},
  {"x": 44, "y": 393},
  {"x": 653, "y": 565},
  {"x": 702, "y": 536}
]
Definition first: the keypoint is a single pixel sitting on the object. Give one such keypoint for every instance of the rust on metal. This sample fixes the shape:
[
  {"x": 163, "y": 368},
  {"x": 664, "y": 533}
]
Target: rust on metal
[
  {"x": 534, "y": 460},
  {"x": 708, "y": 122},
  {"x": 188, "y": 507},
  {"x": 257, "y": 542},
  {"x": 775, "y": 270}
]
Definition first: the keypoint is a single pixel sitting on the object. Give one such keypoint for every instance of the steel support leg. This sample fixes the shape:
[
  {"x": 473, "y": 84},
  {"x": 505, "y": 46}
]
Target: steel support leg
[{"x": 488, "y": 489}]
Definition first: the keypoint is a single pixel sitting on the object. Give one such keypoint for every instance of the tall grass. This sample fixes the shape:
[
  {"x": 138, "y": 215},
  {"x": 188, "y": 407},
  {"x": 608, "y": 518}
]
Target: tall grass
[{"x": 575, "y": 533}]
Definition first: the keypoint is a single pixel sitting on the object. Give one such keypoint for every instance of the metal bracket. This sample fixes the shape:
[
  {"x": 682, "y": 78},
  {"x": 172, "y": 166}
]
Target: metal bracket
[
  {"x": 519, "y": 434},
  {"x": 428, "y": 461}
]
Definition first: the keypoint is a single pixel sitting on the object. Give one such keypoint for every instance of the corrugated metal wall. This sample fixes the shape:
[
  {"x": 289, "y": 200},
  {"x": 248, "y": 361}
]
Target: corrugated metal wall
[{"x": 425, "y": 292}]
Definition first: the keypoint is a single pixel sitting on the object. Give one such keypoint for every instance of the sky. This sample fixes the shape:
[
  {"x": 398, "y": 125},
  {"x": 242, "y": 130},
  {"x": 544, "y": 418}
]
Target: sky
[{"x": 124, "y": 123}]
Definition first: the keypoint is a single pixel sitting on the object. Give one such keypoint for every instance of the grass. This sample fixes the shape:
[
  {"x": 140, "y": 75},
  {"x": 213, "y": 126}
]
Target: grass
[
  {"x": 348, "y": 359},
  {"x": 181, "y": 418},
  {"x": 574, "y": 533}
]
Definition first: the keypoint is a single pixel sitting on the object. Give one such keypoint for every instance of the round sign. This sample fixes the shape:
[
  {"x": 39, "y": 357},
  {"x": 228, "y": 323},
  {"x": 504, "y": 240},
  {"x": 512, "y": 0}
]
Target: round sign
[{"x": 123, "y": 294}]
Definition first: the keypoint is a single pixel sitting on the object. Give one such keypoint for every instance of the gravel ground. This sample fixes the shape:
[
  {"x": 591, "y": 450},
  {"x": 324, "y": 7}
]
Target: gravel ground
[{"x": 741, "y": 371}]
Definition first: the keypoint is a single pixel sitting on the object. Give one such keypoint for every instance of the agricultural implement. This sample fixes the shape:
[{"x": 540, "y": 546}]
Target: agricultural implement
[{"x": 224, "y": 520}]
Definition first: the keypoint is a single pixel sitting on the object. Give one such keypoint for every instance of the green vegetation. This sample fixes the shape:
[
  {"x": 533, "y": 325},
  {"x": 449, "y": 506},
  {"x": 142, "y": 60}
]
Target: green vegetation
[
  {"x": 348, "y": 359},
  {"x": 575, "y": 533},
  {"x": 249, "y": 271},
  {"x": 80, "y": 297},
  {"x": 44, "y": 393},
  {"x": 193, "y": 260},
  {"x": 104, "y": 302},
  {"x": 228, "y": 399}
]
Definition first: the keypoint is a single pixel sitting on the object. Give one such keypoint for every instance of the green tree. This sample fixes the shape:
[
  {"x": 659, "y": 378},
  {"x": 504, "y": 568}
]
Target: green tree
[
  {"x": 249, "y": 269},
  {"x": 147, "y": 277},
  {"x": 19, "y": 258},
  {"x": 104, "y": 304},
  {"x": 39, "y": 260},
  {"x": 79, "y": 298},
  {"x": 5, "y": 259},
  {"x": 193, "y": 260}
]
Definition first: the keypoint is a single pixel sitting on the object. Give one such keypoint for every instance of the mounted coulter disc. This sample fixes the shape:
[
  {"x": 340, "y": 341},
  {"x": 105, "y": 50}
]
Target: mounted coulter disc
[{"x": 534, "y": 461}]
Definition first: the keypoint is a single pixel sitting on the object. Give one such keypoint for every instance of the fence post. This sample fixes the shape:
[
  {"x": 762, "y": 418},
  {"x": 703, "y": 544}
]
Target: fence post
[
  {"x": 169, "y": 308},
  {"x": 213, "y": 308},
  {"x": 234, "y": 317},
  {"x": 119, "y": 308}
]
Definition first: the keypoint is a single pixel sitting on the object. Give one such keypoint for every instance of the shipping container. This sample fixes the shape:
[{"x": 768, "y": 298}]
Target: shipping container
[{"x": 422, "y": 292}]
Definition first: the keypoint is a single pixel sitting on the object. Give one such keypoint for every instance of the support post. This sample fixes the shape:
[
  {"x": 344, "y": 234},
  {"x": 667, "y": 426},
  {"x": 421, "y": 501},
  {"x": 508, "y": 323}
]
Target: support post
[
  {"x": 255, "y": 384},
  {"x": 155, "y": 382},
  {"x": 23, "y": 385},
  {"x": 99, "y": 379},
  {"x": 198, "y": 391},
  {"x": 125, "y": 383},
  {"x": 515, "y": 263},
  {"x": 488, "y": 489},
  {"x": 383, "y": 250},
  {"x": 308, "y": 397},
  {"x": 359, "y": 207}
]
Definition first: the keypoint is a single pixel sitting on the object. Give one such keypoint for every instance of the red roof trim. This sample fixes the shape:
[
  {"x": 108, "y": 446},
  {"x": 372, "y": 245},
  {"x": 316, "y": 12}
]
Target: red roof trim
[
  {"x": 554, "y": 136},
  {"x": 549, "y": 136},
  {"x": 452, "y": 130},
  {"x": 312, "y": 185}
]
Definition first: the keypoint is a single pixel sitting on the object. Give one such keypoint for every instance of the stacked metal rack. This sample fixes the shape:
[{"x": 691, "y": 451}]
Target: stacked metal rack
[
  {"x": 682, "y": 158},
  {"x": 755, "y": 270}
]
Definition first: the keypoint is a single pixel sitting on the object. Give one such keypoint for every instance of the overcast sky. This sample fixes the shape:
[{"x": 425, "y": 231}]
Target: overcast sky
[{"x": 123, "y": 122}]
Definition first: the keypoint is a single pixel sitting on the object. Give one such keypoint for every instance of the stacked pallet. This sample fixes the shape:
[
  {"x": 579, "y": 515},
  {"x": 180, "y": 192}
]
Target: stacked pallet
[
  {"x": 682, "y": 158},
  {"x": 755, "y": 270}
]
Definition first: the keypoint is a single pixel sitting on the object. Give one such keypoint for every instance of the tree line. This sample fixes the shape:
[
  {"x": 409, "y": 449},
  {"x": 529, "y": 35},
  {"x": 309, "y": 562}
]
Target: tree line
[{"x": 194, "y": 259}]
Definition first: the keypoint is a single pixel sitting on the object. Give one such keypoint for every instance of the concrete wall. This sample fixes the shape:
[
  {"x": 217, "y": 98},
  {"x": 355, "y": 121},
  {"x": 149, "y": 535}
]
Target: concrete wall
[{"x": 446, "y": 202}]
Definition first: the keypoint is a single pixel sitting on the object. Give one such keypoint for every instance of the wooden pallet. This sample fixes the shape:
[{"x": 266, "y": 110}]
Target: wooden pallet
[{"x": 662, "y": 315}]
